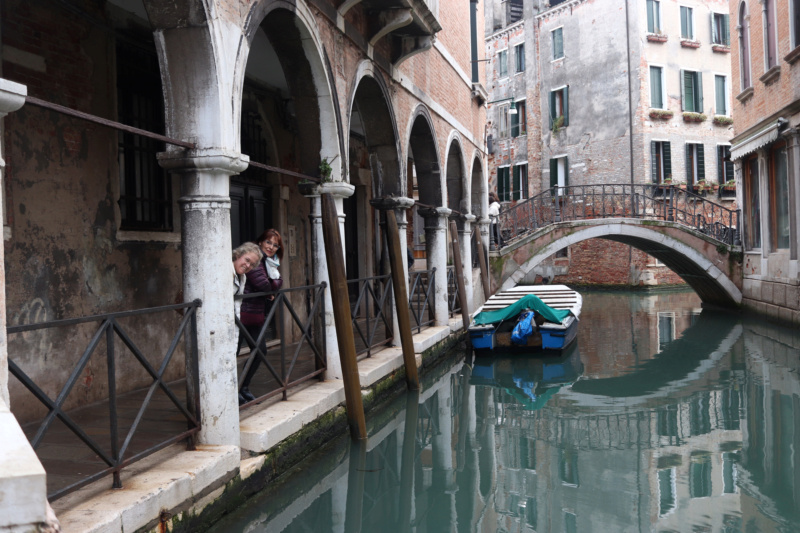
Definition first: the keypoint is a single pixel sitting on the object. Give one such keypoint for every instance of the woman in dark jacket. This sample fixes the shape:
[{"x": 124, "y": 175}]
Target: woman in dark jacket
[{"x": 265, "y": 277}]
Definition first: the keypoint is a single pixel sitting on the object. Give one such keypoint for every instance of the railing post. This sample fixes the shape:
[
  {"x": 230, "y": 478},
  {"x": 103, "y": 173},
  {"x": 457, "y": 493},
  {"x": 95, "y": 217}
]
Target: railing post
[
  {"x": 558, "y": 204},
  {"x": 737, "y": 235},
  {"x": 112, "y": 403},
  {"x": 192, "y": 392}
]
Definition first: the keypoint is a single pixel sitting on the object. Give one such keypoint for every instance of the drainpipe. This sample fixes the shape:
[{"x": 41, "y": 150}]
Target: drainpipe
[
  {"x": 630, "y": 119},
  {"x": 473, "y": 26}
]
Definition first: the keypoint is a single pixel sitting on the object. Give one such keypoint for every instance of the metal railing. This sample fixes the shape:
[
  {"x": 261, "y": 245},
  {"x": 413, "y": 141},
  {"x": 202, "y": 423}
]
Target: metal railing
[
  {"x": 453, "y": 301},
  {"x": 372, "y": 309},
  {"x": 422, "y": 287},
  {"x": 114, "y": 454},
  {"x": 644, "y": 201},
  {"x": 288, "y": 362}
]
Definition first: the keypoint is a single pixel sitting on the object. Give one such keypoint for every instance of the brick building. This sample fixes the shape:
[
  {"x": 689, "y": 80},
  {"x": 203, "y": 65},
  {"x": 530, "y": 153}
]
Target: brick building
[
  {"x": 766, "y": 150},
  {"x": 588, "y": 93}
]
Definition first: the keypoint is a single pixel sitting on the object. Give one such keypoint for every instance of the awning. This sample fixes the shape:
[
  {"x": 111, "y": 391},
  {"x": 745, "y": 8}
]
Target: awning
[{"x": 762, "y": 137}]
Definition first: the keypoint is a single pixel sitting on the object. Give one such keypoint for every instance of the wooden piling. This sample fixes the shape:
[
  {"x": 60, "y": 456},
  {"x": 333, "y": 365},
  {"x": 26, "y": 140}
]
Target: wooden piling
[
  {"x": 396, "y": 259},
  {"x": 483, "y": 265},
  {"x": 462, "y": 290},
  {"x": 340, "y": 299}
]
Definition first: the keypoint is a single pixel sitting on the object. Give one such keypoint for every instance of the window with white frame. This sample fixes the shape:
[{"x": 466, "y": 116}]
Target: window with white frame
[
  {"x": 691, "y": 91},
  {"x": 559, "y": 107},
  {"x": 720, "y": 29},
  {"x": 503, "y": 184},
  {"x": 519, "y": 57},
  {"x": 559, "y": 173},
  {"x": 657, "y": 99},
  {"x": 520, "y": 182},
  {"x": 744, "y": 48},
  {"x": 502, "y": 63},
  {"x": 687, "y": 23},
  {"x": 667, "y": 491},
  {"x": 660, "y": 161},
  {"x": 653, "y": 16},
  {"x": 558, "y": 43},
  {"x": 721, "y": 95},
  {"x": 724, "y": 164},
  {"x": 502, "y": 121},
  {"x": 770, "y": 35},
  {"x": 519, "y": 121},
  {"x": 695, "y": 163}
]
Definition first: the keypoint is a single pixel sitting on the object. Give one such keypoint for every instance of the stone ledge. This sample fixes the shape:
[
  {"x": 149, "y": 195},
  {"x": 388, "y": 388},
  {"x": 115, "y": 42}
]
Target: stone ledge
[
  {"x": 165, "y": 481},
  {"x": 23, "y": 488}
]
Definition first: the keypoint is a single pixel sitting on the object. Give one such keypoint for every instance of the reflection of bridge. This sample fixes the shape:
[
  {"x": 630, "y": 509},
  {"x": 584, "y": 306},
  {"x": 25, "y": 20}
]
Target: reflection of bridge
[{"x": 695, "y": 237}]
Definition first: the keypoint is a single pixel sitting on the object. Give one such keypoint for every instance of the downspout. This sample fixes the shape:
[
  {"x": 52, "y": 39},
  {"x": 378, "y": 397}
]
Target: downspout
[
  {"x": 473, "y": 26},
  {"x": 630, "y": 122}
]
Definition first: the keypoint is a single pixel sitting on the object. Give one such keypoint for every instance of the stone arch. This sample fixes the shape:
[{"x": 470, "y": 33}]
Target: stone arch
[
  {"x": 700, "y": 272},
  {"x": 455, "y": 177},
  {"x": 422, "y": 145},
  {"x": 478, "y": 191}
]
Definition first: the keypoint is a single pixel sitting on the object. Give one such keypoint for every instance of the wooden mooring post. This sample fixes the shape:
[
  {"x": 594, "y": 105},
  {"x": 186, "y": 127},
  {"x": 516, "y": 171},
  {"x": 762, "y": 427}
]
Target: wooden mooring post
[
  {"x": 396, "y": 258},
  {"x": 340, "y": 299},
  {"x": 462, "y": 290},
  {"x": 483, "y": 265}
]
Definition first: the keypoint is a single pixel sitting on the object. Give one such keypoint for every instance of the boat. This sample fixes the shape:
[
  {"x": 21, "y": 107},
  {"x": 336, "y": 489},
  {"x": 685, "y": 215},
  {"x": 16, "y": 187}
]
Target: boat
[{"x": 556, "y": 309}]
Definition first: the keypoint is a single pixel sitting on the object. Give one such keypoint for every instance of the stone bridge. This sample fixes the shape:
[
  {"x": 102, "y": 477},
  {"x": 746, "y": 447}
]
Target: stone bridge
[{"x": 713, "y": 269}]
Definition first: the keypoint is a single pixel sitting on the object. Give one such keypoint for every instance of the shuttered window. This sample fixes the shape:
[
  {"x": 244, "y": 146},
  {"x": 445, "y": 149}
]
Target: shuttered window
[
  {"x": 519, "y": 57},
  {"x": 519, "y": 124},
  {"x": 660, "y": 161},
  {"x": 559, "y": 172},
  {"x": 558, "y": 43},
  {"x": 520, "y": 183},
  {"x": 691, "y": 91},
  {"x": 503, "y": 184},
  {"x": 721, "y": 95},
  {"x": 656, "y": 88},
  {"x": 653, "y": 16},
  {"x": 559, "y": 106},
  {"x": 720, "y": 29},
  {"x": 724, "y": 164},
  {"x": 687, "y": 23},
  {"x": 502, "y": 63},
  {"x": 695, "y": 163}
]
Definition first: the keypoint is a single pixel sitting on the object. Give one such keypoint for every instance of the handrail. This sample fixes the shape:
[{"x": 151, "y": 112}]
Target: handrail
[
  {"x": 423, "y": 285},
  {"x": 642, "y": 201},
  {"x": 117, "y": 455},
  {"x": 370, "y": 310},
  {"x": 311, "y": 330},
  {"x": 453, "y": 301}
]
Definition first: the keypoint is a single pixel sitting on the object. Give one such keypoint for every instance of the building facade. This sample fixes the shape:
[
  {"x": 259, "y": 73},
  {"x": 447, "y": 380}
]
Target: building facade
[
  {"x": 608, "y": 94},
  {"x": 766, "y": 150}
]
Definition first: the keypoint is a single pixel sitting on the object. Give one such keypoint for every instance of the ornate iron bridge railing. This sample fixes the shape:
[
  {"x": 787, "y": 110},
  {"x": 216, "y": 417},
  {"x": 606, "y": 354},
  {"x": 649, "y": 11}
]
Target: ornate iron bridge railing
[
  {"x": 114, "y": 447},
  {"x": 299, "y": 352},
  {"x": 420, "y": 297},
  {"x": 643, "y": 201}
]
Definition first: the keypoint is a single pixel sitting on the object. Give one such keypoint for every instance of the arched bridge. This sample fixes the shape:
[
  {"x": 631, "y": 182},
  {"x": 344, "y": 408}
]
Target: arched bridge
[{"x": 695, "y": 237}]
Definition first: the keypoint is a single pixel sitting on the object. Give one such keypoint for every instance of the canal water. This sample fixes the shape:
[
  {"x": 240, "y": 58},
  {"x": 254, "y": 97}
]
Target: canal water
[{"x": 663, "y": 417}]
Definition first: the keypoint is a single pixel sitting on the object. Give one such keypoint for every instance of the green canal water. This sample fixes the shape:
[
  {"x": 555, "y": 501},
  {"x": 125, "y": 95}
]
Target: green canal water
[{"x": 663, "y": 417}]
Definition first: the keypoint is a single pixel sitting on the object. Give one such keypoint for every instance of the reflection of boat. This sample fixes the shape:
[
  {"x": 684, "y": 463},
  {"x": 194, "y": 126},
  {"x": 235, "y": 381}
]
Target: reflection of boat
[
  {"x": 556, "y": 308},
  {"x": 530, "y": 380}
]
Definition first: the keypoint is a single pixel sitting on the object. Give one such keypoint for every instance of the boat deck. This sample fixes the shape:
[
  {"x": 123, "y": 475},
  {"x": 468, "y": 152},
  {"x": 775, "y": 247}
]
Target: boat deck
[{"x": 556, "y": 296}]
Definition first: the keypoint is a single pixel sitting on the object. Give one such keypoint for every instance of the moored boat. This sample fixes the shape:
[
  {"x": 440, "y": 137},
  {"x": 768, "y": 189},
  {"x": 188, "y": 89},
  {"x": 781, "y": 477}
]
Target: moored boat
[{"x": 548, "y": 313}]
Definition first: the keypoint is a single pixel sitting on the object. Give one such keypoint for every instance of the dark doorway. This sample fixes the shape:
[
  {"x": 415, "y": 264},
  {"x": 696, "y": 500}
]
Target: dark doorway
[{"x": 251, "y": 211}]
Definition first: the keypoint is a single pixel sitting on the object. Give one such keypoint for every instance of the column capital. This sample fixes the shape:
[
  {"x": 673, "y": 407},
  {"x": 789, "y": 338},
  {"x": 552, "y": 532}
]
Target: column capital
[
  {"x": 204, "y": 159},
  {"x": 392, "y": 202},
  {"x": 339, "y": 189},
  {"x": 434, "y": 212},
  {"x": 12, "y": 96}
]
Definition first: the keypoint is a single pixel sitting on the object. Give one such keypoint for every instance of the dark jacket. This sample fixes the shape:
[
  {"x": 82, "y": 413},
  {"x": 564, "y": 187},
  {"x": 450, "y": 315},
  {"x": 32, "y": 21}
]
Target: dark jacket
[{"x": 259, "y": 281}]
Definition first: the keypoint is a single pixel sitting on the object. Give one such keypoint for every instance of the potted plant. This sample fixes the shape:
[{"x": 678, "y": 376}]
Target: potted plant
[
  {"x": 689, "y": 116},
  {"x": 721, "y": 48},
  {"x": 558, "y": 123},
  {"x": 688, "y": 43},
  {"x": 728, "y": 189},
  {"x": 657, "y": 36},
  {"x": 702, "y": 187},
  {"x": 661, "y": 114},
  {"x": 721, "y": 120}
]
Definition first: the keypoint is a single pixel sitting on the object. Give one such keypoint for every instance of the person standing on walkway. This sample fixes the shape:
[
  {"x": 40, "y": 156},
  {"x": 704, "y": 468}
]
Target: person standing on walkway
[
  {"x": 494, "y": 215},
  {"x": 264, "y": 277},
  {"x": 245, "y": 257}
]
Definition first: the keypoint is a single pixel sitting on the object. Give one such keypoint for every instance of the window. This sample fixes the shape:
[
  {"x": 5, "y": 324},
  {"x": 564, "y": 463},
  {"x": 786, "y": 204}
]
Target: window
[
  {"x": 700, "y": 476},
  {"x": 729, "y": 473},
  {"x": 653, "y": 16},
  {"x": 667, "y": 491},
  {"x": 666, "y": 329},
  {"x": 558, "y": 43},
  {"x": 660, "y": 161},
  {"x": 721, "y": 95},
  {"x": 519, "y": 57},
  {"x": 503, "y": 185},
  {"x": 568, "y": 466},
  {"x": 559, "y": 107},
  {"x": 691, "y": 91},
  {"x": 514, "y": 11},
  {"x": 559, "y": 173},
  {"x": 720, "y": 29},
  {"x": 502, "y": 122},
  {"x": 724, "y": 164},
  {"x": 794, "y": 23},
  {"x": 752, "y": 204},
  {"x": 770, "y": 35},
  {"x": 744, "y": 47},
  {"x": 657, "y": 87},
  {"x": 145, "y": 190},
  {"x": 779, "y": 197},
  {"x": 502, "y": 63},
  {"x": 520, "y": 183},
  {"x": 519, "y": 124},
  {"x": 695, "y": 163},
  {"x": 687, "y": 23},
  {"x": 531, "y": 513}
]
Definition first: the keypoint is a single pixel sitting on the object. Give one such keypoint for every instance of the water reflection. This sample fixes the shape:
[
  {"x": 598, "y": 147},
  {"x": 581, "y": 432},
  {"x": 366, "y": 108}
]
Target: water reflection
[{"x": 662, "y": 418}]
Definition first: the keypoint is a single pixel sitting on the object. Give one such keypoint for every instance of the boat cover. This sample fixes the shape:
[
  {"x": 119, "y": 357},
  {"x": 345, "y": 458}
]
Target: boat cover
[{"x": 531, "y": 301}]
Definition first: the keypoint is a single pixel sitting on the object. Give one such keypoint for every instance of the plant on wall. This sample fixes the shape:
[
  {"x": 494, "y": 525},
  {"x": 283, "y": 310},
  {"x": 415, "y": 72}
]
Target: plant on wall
[{"x": 558, "y": 123}]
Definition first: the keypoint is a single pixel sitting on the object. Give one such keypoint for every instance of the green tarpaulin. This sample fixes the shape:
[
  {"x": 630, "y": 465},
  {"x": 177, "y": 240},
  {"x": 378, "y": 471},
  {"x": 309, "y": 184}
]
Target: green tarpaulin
[{"x": 530, "y": 301}]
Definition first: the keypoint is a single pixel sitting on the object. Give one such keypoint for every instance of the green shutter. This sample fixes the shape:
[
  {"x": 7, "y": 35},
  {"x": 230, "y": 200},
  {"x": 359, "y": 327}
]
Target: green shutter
[
  {"x": 552, "y": 108},
  {"x": 698, "y": 83},
  {"x": 653, "y": 162},
  {"x": 714, "y": 36},
  {"x": 687, "y": 148},
  {"x": 720, "y": 162},
  {"x": 655, "y": 88},
  {"x": 515, "y": 184},
  {"x": 566, "y": 172},
  {"x": 726, "y": 29},
  {"x": 684, "y": 23},
  {"x": 683, "y": 89},
  {"x": 553, "y": 174},
  {"x": 667, "y": 160},
  {"x": 722, "y": 105},
  {"x": 701, "y": 163},
  {"x": 651, "y": 19},
  {"x": 515, "y": 123},
  {"x": 566, "y": 105}
]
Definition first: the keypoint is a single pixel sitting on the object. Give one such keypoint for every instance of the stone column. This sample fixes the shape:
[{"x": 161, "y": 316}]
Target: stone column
[
  {"x": 12, "y": 97},
  {"x": 792, "y": 137},
  {"x": 465, "y": 240},
  {"x": 340, "y": 191},
  {"x": 397, "y": 206},
  {"x": 436, "y": 228},
  {"x": 207, "y": 275}
]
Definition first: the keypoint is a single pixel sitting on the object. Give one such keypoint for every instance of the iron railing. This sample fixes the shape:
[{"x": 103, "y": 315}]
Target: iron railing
[
  {"x": 656, "y": 202},
  {"x": 372, "y": 313},
  {"x": 299, "y": 354},
  {"x": 453, "y": 301},
  {"x": 106, "y": 445},
  {"x": 423, "y": 286}
]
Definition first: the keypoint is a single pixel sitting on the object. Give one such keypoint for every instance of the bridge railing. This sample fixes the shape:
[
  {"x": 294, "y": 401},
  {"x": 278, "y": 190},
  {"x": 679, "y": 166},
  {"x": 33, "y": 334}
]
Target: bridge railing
[{"x": 646, "y": 201}]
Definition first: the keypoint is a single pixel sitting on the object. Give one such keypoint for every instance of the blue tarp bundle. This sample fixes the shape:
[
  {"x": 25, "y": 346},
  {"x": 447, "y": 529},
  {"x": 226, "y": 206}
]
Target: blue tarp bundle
[{"x": 531, "y": 301}]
